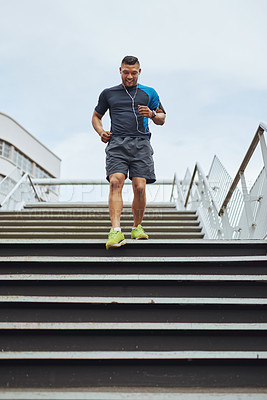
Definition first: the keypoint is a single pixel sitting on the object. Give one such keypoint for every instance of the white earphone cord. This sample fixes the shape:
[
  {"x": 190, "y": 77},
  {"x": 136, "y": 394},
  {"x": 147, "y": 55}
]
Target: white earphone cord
[{"x": 132, "y": 98}]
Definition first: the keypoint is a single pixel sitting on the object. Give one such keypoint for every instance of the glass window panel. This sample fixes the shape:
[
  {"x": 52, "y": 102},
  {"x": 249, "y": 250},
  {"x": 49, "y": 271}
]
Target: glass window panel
[
  {"x": 6, "y": 150},
  {"x": 15, "y": 156}
]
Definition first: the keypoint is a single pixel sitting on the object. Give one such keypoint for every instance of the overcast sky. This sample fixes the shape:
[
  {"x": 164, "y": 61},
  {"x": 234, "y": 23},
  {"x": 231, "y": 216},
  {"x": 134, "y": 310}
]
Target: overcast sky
[{"x": 206, "y": 59}]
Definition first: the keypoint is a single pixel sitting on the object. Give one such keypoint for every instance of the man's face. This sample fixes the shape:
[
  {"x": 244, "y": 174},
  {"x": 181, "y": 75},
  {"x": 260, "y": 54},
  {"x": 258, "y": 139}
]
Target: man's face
[{"x": 129, "y": 74}]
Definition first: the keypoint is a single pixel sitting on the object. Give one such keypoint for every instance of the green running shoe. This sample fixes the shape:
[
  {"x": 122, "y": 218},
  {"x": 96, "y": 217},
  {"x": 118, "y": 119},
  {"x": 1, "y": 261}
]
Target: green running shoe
[
  {"x": 138, "y": 233},
  {"x": 115, "y": 239}
]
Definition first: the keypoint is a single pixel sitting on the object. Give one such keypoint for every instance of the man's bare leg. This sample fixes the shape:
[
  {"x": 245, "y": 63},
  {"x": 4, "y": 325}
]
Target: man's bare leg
[
  {"x": 139, "y": 201},
  {"x": 115, "y": 198}
]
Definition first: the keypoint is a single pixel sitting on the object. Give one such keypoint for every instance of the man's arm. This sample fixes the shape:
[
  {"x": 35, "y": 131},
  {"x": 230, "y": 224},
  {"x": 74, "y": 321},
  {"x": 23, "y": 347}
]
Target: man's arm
[
  {"x": 98, "y": 127},
  {"x": 160, "y": 117}
]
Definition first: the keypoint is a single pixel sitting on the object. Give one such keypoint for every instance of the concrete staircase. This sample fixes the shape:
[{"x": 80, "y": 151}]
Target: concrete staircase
[
  {"x": 87, "y": 221},
  {"x": 174, "y": 317}
]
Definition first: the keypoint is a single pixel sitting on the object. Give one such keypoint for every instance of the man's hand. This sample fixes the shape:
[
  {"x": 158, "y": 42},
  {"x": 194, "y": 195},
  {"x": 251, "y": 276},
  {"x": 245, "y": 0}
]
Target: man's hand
[
  {"x": 145, "y": 111},
  {"x": 159, "y": 118},
  {"x": 98, "y": 127},
  {"x": 105, "y": 136}
]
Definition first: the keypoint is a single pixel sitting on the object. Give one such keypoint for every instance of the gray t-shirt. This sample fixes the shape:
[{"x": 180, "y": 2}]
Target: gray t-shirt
[{"x": 123, "y": 108}]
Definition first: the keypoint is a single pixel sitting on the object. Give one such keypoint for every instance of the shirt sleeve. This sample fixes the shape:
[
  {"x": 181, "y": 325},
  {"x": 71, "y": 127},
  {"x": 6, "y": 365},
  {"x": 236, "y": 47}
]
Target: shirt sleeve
[
  {"x": 154, "y": 100},
  {"x": 102, "y": 105},
  {"x": 160, "y": 107}
]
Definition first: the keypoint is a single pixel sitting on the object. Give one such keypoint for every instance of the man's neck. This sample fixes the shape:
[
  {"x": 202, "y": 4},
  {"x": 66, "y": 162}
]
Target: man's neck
[{"x": 129, "y": 87}]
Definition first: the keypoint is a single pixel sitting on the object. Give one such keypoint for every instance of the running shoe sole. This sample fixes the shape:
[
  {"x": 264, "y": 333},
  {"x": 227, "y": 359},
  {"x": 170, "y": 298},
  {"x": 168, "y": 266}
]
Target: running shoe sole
[{"x": 117, "y": 244}]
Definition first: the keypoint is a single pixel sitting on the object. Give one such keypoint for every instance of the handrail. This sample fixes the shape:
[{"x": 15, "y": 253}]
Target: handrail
[
  {"x": 206, "y": 183},
  {"x": 173, "y": 183},
  {"x": 190, "y": 186},
  {"x": 261, "y": 128},
  {"x": 57, "y": 181},
  {"x": 34, "y": 189}
]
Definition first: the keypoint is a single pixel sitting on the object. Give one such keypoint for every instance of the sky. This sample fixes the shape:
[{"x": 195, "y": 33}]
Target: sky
[{"x": 206, "y": 59}]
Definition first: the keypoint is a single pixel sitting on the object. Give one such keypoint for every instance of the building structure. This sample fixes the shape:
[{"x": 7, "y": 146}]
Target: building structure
[
  {"x": 19, "y": 148},
  {"x": 20, "y": 153}
]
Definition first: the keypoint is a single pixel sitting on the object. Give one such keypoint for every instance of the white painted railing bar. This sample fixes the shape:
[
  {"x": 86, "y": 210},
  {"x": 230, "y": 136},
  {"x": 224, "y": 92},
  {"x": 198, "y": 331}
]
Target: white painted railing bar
[{"x": 58, "y": 182}]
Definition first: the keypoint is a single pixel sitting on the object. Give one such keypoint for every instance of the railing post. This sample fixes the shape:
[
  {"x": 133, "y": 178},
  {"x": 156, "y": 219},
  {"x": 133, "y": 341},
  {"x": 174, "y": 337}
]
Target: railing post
[
  {"x": 227, "y": 228},
  {"x": 208, "y": 203},
  {"x": 263, "y": 149},
  {"x": 247, "y": 205}
]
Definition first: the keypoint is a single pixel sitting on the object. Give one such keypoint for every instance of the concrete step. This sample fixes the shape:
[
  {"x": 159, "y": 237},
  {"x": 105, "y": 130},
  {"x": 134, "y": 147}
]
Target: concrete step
[
  {"x": 149, "y": 291},
  {"x": 113, "y": 267},
  {"x": 99, "y": 216},
  {"x": 136, "y": 326},
  {"x": 133, "y": 355},
  {"x": 242, "y": 268},
  {"x": 96, "y": 214},
  {"x": 133, "y": 277},
  {"x": 98, "y": 235},
  {"x": 163, "y": 312},
  {"x": 18, "y": 222},
  {"x": 132, "y": 340},
  {"x": 95, "y": 228},
  {"x": 193, "y": 373},
  {"x": 153, "y": 248},
  {"x": 143, "y": 393},
  {"x": 118, "y": 311},
  {"x": 69, "y": 205}
]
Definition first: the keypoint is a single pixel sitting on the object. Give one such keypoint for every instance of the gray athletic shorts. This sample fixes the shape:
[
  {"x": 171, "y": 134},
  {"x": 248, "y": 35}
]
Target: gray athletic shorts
[{"x": 130, "y": 155}]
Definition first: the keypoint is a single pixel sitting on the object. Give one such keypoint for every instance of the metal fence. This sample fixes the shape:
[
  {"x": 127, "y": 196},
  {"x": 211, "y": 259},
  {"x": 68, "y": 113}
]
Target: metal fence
[{"x": 226, "y": 210}]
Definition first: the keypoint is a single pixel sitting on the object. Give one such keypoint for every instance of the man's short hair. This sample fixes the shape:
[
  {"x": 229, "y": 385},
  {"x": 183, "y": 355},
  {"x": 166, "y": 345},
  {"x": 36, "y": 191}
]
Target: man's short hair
[{"x": 130, "y": 60}]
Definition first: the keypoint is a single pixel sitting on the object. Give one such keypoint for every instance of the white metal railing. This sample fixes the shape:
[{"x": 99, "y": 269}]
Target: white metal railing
[
  {"x": 220, "y": 182},
  {"x": 257, "y": 227},
  {"x": 227, "y": 212},
  {"x": 28, "y": 190},
  {"x": 7, "y": 183},
  {"x": 22, "y": 192},
  {"x": 200, "y": 196},
  {"x": 90, "y": 190}
]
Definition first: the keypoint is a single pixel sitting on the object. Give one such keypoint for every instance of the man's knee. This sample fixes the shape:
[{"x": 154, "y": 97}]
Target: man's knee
[
  {"x": 139, "y": 188},
  {"x": 116, "y": 182}
]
